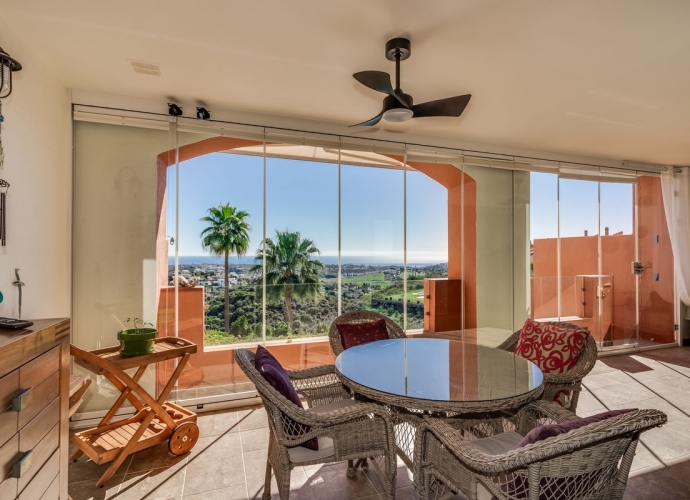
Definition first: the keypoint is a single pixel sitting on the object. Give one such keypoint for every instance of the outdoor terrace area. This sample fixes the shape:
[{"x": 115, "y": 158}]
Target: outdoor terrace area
[{"x": 229, "y": 460}]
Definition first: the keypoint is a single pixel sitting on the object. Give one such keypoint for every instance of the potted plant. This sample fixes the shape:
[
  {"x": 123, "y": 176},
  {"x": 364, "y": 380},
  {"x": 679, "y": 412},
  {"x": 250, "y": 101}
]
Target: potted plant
[{"x": 137, "y": 340}]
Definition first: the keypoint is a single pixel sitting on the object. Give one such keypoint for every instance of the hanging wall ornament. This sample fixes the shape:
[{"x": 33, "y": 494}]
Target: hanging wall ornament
[
  {"x": 4, "y": 187},
  {"x": 2, "y": 152}
]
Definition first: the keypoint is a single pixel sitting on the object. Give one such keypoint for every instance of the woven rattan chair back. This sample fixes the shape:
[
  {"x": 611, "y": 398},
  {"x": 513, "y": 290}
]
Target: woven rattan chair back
[
  {"x": 394, "y": 331},
  {"x": 591, "y": 463}
]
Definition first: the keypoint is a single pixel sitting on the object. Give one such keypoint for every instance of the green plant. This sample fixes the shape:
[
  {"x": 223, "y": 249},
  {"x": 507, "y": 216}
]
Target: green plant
[
  {"x": 227, "y": 233},
  {"x": 138, "y": 324}
]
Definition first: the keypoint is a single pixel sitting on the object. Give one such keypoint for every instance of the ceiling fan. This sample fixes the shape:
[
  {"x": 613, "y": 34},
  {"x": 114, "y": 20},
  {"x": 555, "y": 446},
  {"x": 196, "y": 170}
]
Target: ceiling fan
[{"x": 397, "y": 105}]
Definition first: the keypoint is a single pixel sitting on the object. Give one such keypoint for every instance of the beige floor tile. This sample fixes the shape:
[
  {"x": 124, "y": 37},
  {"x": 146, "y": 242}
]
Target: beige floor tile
[
  {"x": 255, "y": 439},
  {"x": 87, "y": 490},
  {"x": 219, "y": 446},
  {"x": 218, "y": 422},
  {"x": 156, "y": 457},
  {"x": 158, "y": 484},
  {"x": 215, "y": 473},
  {"x": 84, "y": 469},
  {"x": 253, "y": 419}
]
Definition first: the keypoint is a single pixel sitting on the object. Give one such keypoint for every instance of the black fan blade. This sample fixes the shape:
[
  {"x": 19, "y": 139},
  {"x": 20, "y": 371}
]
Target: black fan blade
[
  {"x": 451, "y": 106},
  {"x": 370, "y": 123},
  {"x": 375, "y": 80}
]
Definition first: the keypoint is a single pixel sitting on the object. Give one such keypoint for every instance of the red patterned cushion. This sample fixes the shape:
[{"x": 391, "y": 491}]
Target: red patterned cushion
[
  {"x": 352, "y": 334},
  {"x": 553, "y": 349}
]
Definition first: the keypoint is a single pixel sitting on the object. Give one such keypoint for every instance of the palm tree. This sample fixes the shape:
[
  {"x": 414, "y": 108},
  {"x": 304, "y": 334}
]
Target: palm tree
[
  {"x": 227, "y": 233},
  {"x": 290, "y": 268}
]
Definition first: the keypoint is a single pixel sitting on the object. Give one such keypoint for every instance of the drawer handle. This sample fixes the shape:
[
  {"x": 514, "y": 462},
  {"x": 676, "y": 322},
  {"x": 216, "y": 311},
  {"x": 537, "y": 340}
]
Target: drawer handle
[
  {"x": 22, "y": 465},
  {"x": 22, "y": 400}
]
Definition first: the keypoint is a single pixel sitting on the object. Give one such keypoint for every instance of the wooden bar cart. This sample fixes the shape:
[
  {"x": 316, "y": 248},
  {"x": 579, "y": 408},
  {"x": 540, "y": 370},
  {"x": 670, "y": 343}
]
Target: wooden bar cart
[{"x": 155, "y": 420}]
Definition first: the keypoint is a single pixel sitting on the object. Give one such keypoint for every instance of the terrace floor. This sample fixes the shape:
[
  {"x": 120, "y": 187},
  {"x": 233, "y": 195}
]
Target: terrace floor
[{"x": 229, "y": 461}]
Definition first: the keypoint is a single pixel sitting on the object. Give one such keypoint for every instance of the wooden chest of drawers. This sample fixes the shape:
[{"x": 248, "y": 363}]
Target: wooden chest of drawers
[{"x": 34, "y": 411}]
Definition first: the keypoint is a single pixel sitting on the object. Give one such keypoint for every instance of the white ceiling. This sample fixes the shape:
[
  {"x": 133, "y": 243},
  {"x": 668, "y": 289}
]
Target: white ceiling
[{"x": 596, "y": 77}]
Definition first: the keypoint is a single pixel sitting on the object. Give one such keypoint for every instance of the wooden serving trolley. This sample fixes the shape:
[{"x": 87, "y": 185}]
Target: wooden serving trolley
[{"x": 155, "y": 420}]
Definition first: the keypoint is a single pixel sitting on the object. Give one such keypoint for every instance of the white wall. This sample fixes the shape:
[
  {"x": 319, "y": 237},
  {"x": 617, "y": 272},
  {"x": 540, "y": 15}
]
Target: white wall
[{"x": 36, "y": 138}]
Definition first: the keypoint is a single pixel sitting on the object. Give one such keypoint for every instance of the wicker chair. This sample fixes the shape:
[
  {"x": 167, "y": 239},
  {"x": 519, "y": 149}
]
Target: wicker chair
[
  {"x": 590, "y": 463},
  {"x": 345, "y": 430},
  {"x": 394, "y": 331},
  {"x": 572, "y": 379}
]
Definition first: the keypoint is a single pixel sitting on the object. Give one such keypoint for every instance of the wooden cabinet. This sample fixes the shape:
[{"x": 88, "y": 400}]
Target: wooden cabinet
[
  {"x": 442, "y": 305},
  {"x": 34, "y": 420}
]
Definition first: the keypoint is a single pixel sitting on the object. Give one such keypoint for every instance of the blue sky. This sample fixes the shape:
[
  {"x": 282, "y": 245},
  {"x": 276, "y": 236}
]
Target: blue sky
[
  {"x": 579, "y": 207},
  {"x": 303, "y": 196}
]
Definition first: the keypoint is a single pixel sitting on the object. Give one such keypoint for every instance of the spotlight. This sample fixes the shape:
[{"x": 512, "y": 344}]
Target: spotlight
[
  {"x": 203, "y": 114},
  {"x": 174, "y": 109}
]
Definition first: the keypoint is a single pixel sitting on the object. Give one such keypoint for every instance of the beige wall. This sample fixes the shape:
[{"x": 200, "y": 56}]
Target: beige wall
[
  {"x": 114, "y": 236},
  {"x": 36, "y": 138},
  {"x": 502, "y": 262}
]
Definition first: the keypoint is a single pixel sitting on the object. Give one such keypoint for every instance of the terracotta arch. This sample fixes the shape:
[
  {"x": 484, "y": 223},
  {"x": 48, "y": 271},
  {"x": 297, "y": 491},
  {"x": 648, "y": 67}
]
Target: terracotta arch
[{"x": 445, "y": 174}]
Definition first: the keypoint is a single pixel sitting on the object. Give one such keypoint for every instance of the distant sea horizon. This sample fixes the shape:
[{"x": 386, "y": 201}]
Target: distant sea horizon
[{"x": 328, "y": 260}]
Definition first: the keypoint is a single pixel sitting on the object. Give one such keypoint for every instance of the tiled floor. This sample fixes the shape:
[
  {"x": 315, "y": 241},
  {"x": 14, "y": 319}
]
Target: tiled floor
[{"x": 229, "y": 461}]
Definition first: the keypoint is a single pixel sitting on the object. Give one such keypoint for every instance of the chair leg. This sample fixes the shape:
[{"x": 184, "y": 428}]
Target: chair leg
[
  {"x": 267, "y": 484},
  {"x": 573, "y": 401},
  {"x": 350, "y": 468}
]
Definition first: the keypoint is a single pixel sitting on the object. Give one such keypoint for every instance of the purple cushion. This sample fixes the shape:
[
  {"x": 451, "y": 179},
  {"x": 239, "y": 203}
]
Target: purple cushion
[
  {"x": 269, "y": 367},
  {"x": 563, "y": 488},
  {"x": 546, "y": 431}
]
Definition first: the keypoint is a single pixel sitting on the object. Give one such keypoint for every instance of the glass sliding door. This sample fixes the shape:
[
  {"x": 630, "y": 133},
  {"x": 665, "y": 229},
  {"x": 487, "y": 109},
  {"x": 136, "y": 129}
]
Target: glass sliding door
[
  {"x": 617, "y": 292},
  {"x": 543, "y": 230},
  {"x": 117, "y": 215},
  {"x": 372, "y": 236},
  {"x": 219, "y": 292},
  {"x": 427, "y": 218},
  {"x": 302, "y": 245},
  {"x": 655, "y": 275},
  {"x": 579, "y": 253},
  {"x": 489, "y": 239}
]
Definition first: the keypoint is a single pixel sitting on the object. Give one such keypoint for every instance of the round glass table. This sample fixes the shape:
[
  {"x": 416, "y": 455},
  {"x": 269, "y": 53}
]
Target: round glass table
[{"x": 437, "y": 375}]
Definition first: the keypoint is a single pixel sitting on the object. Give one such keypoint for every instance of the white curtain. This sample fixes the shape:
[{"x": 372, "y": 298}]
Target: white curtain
[{"x": 676, "y": 192}]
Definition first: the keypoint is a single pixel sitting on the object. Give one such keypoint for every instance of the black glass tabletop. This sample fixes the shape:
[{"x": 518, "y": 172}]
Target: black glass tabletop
[{"x": 439, "y": 370}]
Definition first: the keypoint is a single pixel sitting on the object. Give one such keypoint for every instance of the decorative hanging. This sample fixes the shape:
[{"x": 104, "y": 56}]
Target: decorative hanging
[
  {"x": 4, "y": 187},
  {"x": 8, "y": 65},
  {"x": 2, "y": 152}
]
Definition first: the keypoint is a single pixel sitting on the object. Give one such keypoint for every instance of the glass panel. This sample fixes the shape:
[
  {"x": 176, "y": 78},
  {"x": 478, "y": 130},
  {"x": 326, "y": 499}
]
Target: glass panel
[
  {"x": 579, "y": 253},
  {"x": 372, "y": 240},
  {"x": 544, "y": 246},
  {"x": 618, "y": 291},
  {"x": 489, "y": 317},
  {"x": 427, "y": 253},
  {"x": 656, "y": 282},
  {"x": 220, "y": 299},
  {"x": 118, "y": 212},
  {"x": 302, "y": 247}
]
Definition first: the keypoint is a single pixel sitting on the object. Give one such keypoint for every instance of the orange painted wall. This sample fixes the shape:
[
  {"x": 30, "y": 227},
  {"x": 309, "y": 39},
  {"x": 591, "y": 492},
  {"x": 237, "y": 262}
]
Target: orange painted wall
[{"x": 215, "y": 366}]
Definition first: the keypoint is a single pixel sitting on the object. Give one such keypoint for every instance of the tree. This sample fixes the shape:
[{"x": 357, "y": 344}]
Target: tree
[
  {"x": 227, "y": 233},
  {"x": 291, "y": 270}
]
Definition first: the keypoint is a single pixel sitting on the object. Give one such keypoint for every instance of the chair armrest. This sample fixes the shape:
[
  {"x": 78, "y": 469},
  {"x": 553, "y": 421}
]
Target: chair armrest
[
  {"x": 321, "y": 424},
  {"x": 317, "y": 371}
]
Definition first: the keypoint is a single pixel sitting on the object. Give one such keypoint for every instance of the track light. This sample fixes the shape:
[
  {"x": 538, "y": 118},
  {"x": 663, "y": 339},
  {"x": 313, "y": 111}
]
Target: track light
[
  {"x": 174, "y": 109},
  {"x": 203, "y": 114}
]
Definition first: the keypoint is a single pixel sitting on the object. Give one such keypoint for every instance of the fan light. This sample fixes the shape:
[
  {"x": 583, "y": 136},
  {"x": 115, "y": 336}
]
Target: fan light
[{"x": 397, "y": 115}]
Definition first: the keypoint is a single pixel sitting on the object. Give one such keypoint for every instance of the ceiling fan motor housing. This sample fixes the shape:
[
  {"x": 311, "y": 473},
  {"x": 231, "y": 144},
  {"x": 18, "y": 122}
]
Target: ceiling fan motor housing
[{"x": 400, "y": 46}]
